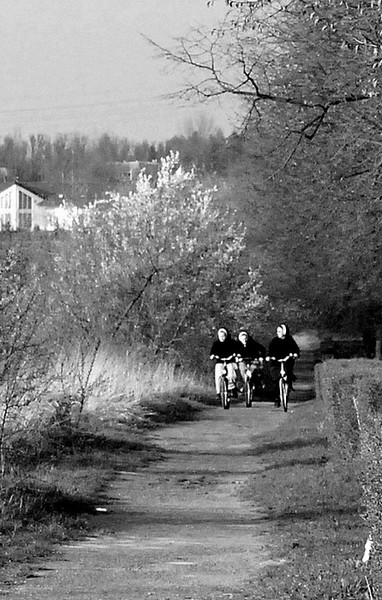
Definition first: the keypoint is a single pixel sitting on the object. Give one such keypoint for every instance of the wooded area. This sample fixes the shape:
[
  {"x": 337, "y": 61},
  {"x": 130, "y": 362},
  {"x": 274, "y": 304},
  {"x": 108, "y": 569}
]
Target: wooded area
[
  {"x": 303, "y": 173},
  {"x": 307, "y": 174}
]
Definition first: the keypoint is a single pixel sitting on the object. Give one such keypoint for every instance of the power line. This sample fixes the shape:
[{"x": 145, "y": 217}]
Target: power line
[{"x": 140, "y": 100}]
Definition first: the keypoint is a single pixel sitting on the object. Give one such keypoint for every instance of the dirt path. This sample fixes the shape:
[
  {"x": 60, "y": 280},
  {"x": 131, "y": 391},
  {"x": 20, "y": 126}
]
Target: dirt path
[{"x": 178, "y": 528}]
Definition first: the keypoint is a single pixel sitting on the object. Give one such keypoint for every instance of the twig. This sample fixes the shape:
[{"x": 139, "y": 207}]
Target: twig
[{"x": 370, "y": 593}]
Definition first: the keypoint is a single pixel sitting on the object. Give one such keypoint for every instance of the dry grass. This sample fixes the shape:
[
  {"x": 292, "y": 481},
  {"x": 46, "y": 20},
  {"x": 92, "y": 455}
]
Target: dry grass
[
  {"x": 122, "y": 380},
  {"x": 57, "y": 471}
]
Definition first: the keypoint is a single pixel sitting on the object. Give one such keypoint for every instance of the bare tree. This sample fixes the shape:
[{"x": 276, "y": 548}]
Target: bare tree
[{"x": 288, "y": 53}]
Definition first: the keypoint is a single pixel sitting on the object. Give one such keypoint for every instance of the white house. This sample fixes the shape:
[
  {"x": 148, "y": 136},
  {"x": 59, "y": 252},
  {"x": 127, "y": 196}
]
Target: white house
[
  {"x": 25, "y": 206},
  {"x": 18, "y": 205}
]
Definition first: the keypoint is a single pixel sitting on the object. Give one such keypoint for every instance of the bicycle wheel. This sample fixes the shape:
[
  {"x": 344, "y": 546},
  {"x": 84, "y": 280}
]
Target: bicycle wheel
[
  {"x": 257, "y": 387},
  {"x": 248, "y": 391},
  {"x": 284, "y": 392},
  {"x": 223, "y": 387}
]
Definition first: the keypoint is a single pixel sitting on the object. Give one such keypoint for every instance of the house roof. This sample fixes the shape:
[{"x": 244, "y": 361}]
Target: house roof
[
  {"x": 35, "y": 190},
  {"x": 49, "y": 197},
  {"x": 5, "y": 184},
  {"x": 27, "y": 186}
]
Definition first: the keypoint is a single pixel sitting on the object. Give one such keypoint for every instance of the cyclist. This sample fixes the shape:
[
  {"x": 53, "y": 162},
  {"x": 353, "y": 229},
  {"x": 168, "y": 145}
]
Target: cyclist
[
  {"x": 249, "y": 350},
  {"x": 222, "y": 348},
  {"x": 282, "y": 345}
]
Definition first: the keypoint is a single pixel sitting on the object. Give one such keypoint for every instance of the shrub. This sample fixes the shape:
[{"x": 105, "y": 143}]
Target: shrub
[{"x": 352, "y": 395}]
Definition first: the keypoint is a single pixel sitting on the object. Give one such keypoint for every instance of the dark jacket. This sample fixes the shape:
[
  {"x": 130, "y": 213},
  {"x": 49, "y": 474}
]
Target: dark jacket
[
  {"x": 224, "y": 349},
  {"x": 279, "y": 348},
  {"x": 252, "y": 349}
]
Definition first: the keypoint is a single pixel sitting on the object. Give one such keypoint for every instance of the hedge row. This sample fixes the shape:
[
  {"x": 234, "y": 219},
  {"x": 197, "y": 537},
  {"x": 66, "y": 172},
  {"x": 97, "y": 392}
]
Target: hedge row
[{"x": 351, "y": 391}]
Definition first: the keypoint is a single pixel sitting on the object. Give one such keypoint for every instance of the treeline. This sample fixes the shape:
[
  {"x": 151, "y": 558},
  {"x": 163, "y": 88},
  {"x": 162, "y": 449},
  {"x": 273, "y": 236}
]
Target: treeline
[
  {"x": 308, "y": 175},
  {"x": 83, "y": 168}
]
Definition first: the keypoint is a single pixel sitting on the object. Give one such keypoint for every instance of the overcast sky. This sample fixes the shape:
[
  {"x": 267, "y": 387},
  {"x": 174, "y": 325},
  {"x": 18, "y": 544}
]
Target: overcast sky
[{"x": 82, "y": 66}]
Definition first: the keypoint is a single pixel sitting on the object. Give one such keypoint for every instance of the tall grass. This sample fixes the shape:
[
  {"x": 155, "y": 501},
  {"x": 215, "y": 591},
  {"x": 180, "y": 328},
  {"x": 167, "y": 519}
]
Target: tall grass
[
  {"x": 58, "y": 465},
  {"x": 124, "y": 379},
  {"x": 122, "y": 386}
]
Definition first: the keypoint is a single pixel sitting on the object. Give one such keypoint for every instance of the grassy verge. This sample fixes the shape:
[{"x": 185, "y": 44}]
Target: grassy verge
[
  {"x": 313, "y": 508},
  {"x": 58, "y": 461},
  {"x": 47, "y": 497}
]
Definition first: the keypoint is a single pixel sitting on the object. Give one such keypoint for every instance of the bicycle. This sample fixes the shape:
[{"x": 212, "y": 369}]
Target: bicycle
[
  {"x": 252, "y": 379},
  {"x": 284, "y": 387},
  {"x": 223, "y": 381}
]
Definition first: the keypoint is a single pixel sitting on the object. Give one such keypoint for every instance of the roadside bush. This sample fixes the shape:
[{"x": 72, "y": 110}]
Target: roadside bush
[
  {"x": 368, "y": 402},
  {"x": 334, "y": 386},
  {"x": 352, "y": 395}
]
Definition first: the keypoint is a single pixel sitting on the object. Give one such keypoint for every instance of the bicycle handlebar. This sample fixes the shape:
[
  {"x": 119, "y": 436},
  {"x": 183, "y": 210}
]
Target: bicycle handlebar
[
  {"x": 226, "y": 359},
  {"x": 282, "y": 359}
]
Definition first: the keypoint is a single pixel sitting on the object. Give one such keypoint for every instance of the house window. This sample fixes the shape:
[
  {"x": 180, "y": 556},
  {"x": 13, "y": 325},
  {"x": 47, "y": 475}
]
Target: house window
[
  {"x": 25, "y": 201},
  {"x": 25, "y": 220},
  {"x": 5, "y": 220},
  {"x": 5, "y": 202}
]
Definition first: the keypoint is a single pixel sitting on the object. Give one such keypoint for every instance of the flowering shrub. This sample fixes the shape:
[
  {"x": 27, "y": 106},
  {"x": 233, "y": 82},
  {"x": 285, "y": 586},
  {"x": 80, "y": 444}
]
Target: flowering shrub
[{"x": 157, "y": 265}]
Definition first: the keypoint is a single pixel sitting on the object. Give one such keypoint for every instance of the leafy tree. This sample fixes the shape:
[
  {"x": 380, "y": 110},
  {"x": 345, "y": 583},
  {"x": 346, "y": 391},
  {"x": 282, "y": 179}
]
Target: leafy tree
[
  {"x": 308, "y": 74},
  {"x": 107, "y": 148}
]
